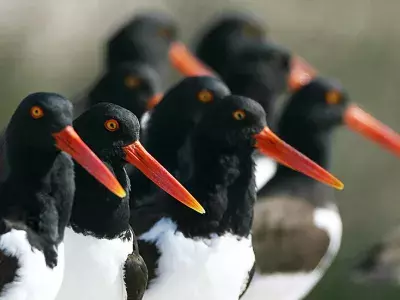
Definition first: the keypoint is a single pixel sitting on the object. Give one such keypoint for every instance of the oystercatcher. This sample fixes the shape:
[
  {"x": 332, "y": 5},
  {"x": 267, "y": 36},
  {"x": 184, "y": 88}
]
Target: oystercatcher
[
  {"x": 210, "y": 256},
  {"x": 297, "y": 227},
  {"x": 171, "y": 122},
  {"x": 100, "y": 247},
  {"x": 37, "y": 194},
  {"x": 260, "y": 71}
]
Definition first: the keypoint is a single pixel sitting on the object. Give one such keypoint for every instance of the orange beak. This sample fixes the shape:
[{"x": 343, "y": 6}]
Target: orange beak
[
  {"x": 186, "y": 63},
  {"x": 366, "y": 125},
  {"x": 137, "y": 155},
  {"x": 269, "y": 144},
  {"x": 153, "y": 101},
  {"x": 68, "y": 140},
  {"x": 301, "y": 73}
]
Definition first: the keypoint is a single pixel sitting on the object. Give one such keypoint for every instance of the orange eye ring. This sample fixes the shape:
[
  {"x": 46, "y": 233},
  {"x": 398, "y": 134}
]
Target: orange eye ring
[
  {"x": 205, "y": 96},
  {"x": 111, "y": 125},
  {"x": 239, "y": 114},
  {"x": 332, "y": 97},
  {"x": 165, "y": 33},
  {"x": 37, "y": 112},
  {"x": 132, "y": 82}
]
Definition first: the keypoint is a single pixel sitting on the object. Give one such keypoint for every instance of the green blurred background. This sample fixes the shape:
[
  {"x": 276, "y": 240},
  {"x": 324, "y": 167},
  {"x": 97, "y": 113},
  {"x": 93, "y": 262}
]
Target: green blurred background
[{"x": 50, "y": 45}]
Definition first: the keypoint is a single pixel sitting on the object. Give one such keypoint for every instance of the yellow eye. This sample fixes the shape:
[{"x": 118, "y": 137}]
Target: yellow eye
[
  {"x": 111, "y": 125},
  {"x": 239, "y": 114},
  {"x": 205, "y": 96},
  {"x": 132, "y": 82},
  {"x": 37, "y": 112},
  {"x": 333, "y": 97}
]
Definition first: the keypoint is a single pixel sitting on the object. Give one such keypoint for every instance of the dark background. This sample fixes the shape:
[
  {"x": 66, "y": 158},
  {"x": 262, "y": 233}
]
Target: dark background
[{"x": 50, "y": 45}]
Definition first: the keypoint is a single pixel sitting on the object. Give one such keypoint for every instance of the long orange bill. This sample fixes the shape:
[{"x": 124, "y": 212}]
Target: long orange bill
[
  {"x": 153, "y": 101},
  {"x": 270, "y": 144},
  {"x": 68, "y": 140},
  {"x": 186, "y": 63},
  {"x": 366, "y": 125},
  {"x": 301, "y": 73},
  {"x": 137, "y": 155}
]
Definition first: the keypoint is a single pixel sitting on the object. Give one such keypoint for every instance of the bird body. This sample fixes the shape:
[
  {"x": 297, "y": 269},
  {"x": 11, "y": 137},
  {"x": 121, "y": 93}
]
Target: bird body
[
  {"x": 301, "y": 282},
  {"x": 100, "y": 263},
  {"x": 199, "y": 268},
  {"x": 33, "y": 278}
]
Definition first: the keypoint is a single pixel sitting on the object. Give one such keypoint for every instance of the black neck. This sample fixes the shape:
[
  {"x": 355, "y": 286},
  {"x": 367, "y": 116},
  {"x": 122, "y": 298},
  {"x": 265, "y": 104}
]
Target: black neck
[
  {"x": 96, "y": 210},
  {"x": 221, "y": 182},
  {"x": 29, "y": 164}
]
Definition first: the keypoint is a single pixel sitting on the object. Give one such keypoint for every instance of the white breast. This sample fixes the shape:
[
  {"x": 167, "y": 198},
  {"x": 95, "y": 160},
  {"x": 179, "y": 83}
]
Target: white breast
[
  {"x": 265, "y": 169},
  {"x": 94, "y": 267},
  {"x": 296, "y": 286},
  {"x": 209, "y": 269},
  {"x": 35, "y": 281}
]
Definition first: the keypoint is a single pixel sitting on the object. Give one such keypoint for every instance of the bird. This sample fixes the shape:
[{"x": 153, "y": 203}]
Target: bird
[
  {"x": 171, "y": 122},
  {"x": 231, "y": 33},
  {"x": 37, "y": 194},
  {"x": 380, "y": 262},
  {"x": 224, "y": 36},
  {"x": 260, "y": 71},
  {"x": 236, "y": 47},
  {"x": 100, "y": 246},
  {"x": 210, "y": 256},
  {"x": 145, "y": 38},
  {"x": 297, "y": 226},
  {"x": 134, "y": 86},
  {"x": 152, "y": 38}
]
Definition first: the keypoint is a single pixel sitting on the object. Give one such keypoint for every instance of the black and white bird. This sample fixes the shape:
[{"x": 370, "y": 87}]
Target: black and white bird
[
  {"x": 171, "y": 122},
  {"x": 101, "y": 254},
  {"x": 37, "y": 195},
  {"x": 297, "y": 228},
  {"x": 260, "y": 71},
  {"x": 211, "y": 256}
]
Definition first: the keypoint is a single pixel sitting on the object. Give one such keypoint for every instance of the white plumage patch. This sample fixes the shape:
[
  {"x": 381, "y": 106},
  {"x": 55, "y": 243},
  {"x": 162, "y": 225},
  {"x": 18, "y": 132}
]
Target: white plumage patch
[
  {"x": 94, "y": 267},
  {"x": 35, "y": 280},
  {"x": 144, "y": 120},
  {"x": 296, "y": 286},
  {"x": 265, "y": 169},
  {"x": 209, "y": 269}
]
